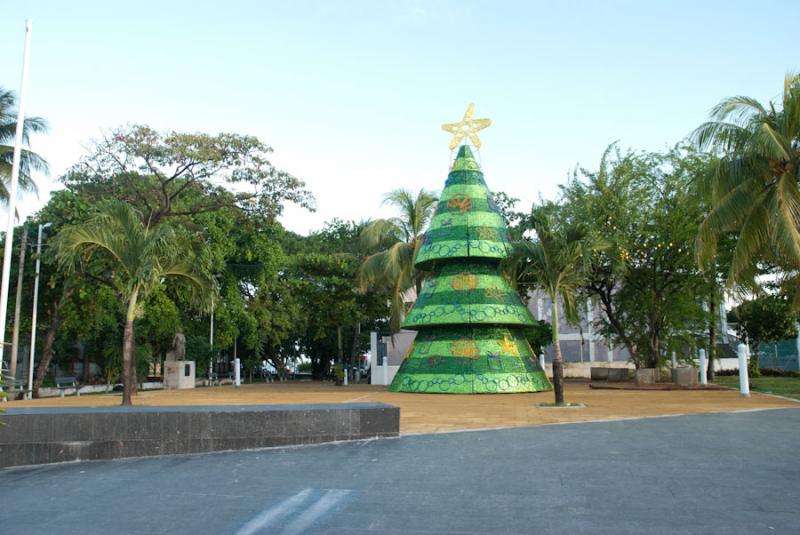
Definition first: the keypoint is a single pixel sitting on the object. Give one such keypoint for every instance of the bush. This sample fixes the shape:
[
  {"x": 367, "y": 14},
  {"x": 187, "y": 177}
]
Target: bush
[
  {"x": 763, "y": 372},
  {"x": 338, "y": 373},
  {"x": 752, "y": 366},
  {"x": 772, "y": 372}
]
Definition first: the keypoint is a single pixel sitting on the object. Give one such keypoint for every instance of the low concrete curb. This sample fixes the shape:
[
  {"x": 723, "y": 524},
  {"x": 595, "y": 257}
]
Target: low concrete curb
[{"x": 49, "y": 435}]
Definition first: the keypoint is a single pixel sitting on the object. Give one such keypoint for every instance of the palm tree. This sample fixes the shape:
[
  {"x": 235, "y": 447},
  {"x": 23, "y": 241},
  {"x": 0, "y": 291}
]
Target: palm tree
[
  {"x": 754, "y": 186},
  {"x": 142, "y": 257},
  {"x": 397, "y": 241},
  {"x": 558, "y": 263},
  {"x": 29, "y": 161}
]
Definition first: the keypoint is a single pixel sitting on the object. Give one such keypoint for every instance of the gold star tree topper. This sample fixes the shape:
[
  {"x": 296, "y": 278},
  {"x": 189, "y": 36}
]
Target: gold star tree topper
[{"x": 466, "y": 128}]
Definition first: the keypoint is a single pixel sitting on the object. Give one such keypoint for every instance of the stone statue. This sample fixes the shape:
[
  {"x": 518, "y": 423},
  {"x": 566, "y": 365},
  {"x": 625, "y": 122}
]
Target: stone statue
[{"x": 178, "y": 351}]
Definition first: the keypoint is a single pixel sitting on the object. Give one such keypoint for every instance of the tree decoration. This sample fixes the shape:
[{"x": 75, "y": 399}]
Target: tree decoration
[{"x": 467, "y": 127}]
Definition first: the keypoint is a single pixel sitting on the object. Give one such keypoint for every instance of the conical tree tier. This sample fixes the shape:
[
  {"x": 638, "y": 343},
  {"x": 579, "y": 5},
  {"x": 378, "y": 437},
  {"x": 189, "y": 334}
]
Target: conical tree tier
[
  {"x": 467, "y": 292},
  {"x": 469, "y": 317},
  {"x": 470, "y": 360},
  {"x": 467, "y": 223}
]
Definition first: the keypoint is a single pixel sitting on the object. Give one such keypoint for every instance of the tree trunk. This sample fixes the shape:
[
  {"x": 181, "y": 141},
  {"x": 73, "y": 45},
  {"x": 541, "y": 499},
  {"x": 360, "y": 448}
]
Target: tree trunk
[
  {"x": 354, "y": 346},
  {"x": 49, "y": 340},
  {"x": 340, "y": 354},
  {"x": 558, "y": 364},
  {"x": 12, "y": 370},
  {"x": 655, "y": 323},
  {"x": 84, "y": 356},
  {"x": 128, "y": 360},
  {"x": 607, "y": 306}
]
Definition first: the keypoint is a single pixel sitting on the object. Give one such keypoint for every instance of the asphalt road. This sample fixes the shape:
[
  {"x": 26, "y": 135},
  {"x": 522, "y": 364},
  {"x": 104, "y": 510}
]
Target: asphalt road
[{"x": 722, "y": 473}]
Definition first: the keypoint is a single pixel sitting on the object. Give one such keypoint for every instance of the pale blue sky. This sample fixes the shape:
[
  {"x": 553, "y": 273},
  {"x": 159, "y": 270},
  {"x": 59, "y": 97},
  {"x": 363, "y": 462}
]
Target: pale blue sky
[{"x": 351, "y": 95}]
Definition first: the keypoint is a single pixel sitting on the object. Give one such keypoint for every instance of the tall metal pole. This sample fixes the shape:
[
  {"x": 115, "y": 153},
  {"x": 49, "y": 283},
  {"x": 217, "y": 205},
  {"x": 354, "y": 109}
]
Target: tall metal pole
[
  {"x": 35, "y": 309},
  {"x": 12, "y": 190}
]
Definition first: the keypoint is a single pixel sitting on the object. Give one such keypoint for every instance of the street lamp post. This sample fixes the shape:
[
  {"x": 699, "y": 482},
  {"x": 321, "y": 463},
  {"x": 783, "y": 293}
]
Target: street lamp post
[{"x": 35, "y": 303}]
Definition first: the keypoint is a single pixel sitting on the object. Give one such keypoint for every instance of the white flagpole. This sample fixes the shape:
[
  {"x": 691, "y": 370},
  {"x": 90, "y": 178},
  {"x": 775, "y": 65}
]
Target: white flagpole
[{"x": 12, "y": 189}]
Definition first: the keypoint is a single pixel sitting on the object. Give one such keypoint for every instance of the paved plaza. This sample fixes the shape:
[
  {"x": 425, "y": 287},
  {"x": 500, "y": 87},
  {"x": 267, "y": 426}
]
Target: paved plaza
[
  {"x": 431, "y": 413},
  {"x": 712, "y": 473}
]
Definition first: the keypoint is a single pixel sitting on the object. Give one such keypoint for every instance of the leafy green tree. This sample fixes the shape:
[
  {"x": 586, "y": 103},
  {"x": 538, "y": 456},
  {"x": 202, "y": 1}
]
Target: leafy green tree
[
  {"x": 29, "y": 161},
  {"x": 755, "y": 184},
  {"x": 338, "y": 316},
  {"x": 513, "y": 218},
  {"x": 557, "y": 262},
  {"x": 142, "y": 257},
  {"x": 767, "y": 318},
  {"x": 178, "y": 174},
  {"x": 645, "y": 281},
  {"x": 397, "y": 241},
  {"x": 63, "y": 295}
]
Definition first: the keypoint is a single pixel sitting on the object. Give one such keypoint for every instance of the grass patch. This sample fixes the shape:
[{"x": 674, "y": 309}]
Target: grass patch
[{"x": 782, "y": 386}]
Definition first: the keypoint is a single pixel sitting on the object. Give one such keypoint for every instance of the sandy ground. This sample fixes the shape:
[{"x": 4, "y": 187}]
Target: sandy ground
[{"x": 432, "y": 413}]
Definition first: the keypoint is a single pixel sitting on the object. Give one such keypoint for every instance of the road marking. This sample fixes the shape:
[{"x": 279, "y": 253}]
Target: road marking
[
  {"x": 310, "y": 515},
  {"x": 275, "y": 513}
]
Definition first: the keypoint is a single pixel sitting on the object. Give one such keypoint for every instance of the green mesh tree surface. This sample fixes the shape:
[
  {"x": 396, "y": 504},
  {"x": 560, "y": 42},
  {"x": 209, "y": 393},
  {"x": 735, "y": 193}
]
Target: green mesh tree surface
[{"x": 469, "y": 318}]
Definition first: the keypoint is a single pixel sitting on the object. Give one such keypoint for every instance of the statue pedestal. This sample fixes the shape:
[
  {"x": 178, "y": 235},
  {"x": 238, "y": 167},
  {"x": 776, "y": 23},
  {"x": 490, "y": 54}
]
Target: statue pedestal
[{"x": 179, "y": 374}]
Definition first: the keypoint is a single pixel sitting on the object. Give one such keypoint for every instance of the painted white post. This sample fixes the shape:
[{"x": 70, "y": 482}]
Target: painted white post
[
  {"x": 237, "y": 371},
  {"x": 344, "y": 368},
  {"x": 674, "y": 360},
  {"x": 12, "y": 189},
  {"x": 703, "y": 379},
  {"x": 610, "y": 345},
  {"x": 744, "y": 380},
  {"x": 373, "y": 349},
  {"x": 542, "y": 360},
  {"x": 35, "y": 308},
  {"x": 385, "y": 370}
]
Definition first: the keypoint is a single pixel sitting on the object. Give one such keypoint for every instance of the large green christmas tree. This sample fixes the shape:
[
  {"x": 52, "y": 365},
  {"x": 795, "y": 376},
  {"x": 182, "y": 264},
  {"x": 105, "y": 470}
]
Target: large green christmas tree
[{"x": 469, "y": 318}]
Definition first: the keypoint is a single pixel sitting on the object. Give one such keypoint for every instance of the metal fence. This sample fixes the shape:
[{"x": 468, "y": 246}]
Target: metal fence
[{"x": 781, "y": 355}]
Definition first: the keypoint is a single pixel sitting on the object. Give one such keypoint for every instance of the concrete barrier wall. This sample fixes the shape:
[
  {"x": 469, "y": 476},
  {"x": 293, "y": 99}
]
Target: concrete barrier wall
[
  {"x": 582, "y": 370},
  {"x": 48, "y": 435}
]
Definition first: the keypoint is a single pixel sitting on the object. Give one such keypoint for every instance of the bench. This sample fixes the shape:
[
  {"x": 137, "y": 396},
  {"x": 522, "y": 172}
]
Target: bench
[
  {"x": 612, "y": 375},
  {"x": 15, "y": 387},
  {"x": 62, "y": 383}
]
